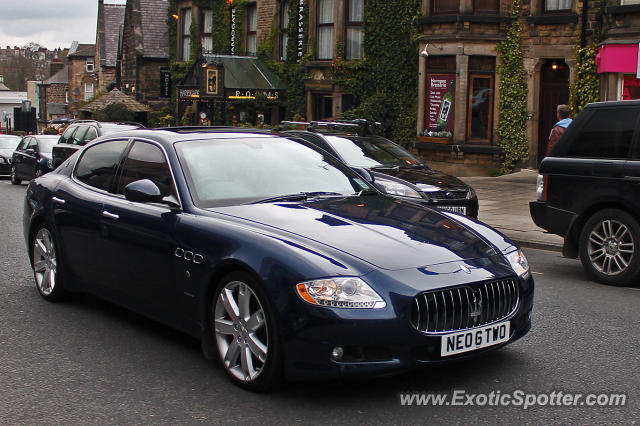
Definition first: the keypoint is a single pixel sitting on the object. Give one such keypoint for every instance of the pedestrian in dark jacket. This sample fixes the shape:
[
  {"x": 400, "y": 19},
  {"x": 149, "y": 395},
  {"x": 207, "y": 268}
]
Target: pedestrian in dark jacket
[{"x": 559, "y": 128}]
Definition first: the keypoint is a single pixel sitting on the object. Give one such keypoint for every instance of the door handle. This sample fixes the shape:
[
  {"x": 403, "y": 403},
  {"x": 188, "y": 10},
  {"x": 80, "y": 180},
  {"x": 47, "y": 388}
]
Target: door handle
[
  {"x": 110, "y": 215},
  {"x": 632, "y": 178},
  {"x": 58, "y": 200}
]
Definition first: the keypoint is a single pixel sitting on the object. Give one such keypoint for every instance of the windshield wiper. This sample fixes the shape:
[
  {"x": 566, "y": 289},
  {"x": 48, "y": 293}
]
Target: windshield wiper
[
  {"x": 300, "y": 196},
  {"x": 387, "y": 166}
]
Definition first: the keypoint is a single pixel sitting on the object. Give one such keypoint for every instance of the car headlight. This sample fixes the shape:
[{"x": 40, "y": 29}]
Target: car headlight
[
  {"x": 471, "y": 194},
  {"x": 518, "y": 263},
  {"x": 340, "y": 292},
  {"x": 394, "y": 188},
  {"x": 2, "y": 160}
]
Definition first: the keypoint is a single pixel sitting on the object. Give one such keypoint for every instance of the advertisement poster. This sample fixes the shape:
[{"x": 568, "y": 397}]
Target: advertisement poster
[{"x": 440, "y": 105}]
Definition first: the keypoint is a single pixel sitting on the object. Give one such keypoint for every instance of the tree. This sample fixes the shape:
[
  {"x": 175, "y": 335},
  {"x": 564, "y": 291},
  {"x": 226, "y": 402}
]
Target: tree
[{"x": 17, "y": 71}]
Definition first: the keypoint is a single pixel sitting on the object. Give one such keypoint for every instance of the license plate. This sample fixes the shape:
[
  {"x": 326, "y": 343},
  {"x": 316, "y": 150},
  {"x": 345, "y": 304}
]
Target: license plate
[
  {"x": 455, "y": 209},
  {"x": 465, "y": 341}
]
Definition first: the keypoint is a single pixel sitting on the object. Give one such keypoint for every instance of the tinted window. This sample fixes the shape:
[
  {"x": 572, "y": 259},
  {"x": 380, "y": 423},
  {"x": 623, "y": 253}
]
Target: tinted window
[
  {"x": 607, "y": 134},
  {"x": 46, "y": 143},
  {"x": 32, "y": 144},
  {"x": 99, "y": 163},
  {"x": 66, "y": 136},
  {"x": 146, "y": 161},
  {"x": 78, "y": 136},
  {"x": 90, "y": 135},
  {"x": 23, "y": 143},
  {"x": 372, "y": 151}
]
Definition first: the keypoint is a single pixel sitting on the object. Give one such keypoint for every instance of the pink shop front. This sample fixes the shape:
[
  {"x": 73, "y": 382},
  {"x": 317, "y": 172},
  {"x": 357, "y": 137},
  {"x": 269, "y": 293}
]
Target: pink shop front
[{"x": 617, "y": 64}]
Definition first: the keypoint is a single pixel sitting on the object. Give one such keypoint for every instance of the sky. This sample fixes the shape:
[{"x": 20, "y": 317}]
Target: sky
[{"x": 50, "y": 23}]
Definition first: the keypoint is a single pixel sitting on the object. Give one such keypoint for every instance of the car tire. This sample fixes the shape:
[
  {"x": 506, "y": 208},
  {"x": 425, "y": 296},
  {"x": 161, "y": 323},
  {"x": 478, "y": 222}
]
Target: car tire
[
  {"x": 47, "y": 265},
  {"x": 15, "y": 180},
  {"x": 245, "y": 333},
  {"x": 610, "y": 247}
]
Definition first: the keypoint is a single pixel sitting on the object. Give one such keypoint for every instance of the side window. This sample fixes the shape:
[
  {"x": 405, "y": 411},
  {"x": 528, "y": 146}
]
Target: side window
[
  {"x": 78, "y": 136},
  {"x": 66, "y": 136},
  {"x": 607, "y": 134},
  {"x": 91, "y": 134},
  {"x": 23, "y": 144},
  {"x": 98, "y": 164},
  {"x": 146, "y": 161},
  {"x": 32, "y": 144}
]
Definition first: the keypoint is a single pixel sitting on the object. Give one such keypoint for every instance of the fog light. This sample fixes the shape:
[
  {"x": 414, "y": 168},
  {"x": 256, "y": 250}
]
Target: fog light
[{"x": 337, "y": 353}]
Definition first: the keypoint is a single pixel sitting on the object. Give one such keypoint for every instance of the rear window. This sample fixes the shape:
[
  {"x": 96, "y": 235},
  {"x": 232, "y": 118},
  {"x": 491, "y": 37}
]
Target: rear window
[{"x": 607, "y": 134}]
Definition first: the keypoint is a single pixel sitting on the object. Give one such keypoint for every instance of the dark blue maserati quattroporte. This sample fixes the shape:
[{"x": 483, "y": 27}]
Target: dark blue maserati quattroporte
[{"x": 283, "y": 261}]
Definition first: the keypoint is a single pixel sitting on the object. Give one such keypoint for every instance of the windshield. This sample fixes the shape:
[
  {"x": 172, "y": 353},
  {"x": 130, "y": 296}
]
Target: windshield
[
  {"x": 254, "y": 168},
  {"x": 8, "y": 142},
  {"x": 372, "y": 151},
  {"x": 46, "y": 143}
]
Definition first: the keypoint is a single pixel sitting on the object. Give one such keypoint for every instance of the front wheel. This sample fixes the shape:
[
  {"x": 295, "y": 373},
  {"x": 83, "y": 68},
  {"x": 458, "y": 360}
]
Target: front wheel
[
  {"x": 46, "y": 265},
  {"x": 14, "y": 178},
  {"x": 245, "y": 333},
  {"x": 609, "y": 244}
]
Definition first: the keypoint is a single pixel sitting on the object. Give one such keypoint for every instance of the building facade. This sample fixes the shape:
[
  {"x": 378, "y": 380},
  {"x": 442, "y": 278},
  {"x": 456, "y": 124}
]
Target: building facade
[
  {"x": 108, "y": 34},
  {"x": 83, "y": 75}
]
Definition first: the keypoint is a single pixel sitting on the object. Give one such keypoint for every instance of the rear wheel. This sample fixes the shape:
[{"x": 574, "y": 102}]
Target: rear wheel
[
  {"x": 245, "y": 333},
  {"x": 609, "y": 245},
  {"x": 14, "y": 178},
  {"x": 46, "y": 265}
]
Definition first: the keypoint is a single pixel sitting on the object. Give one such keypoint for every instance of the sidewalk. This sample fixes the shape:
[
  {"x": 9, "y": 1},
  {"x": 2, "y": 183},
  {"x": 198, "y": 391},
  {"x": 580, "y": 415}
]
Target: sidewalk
[{"x": 504, "y": 204}]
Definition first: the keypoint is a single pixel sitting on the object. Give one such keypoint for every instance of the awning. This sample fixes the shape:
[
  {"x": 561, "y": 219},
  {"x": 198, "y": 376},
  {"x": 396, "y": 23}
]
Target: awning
[
  {"x": 617, "y": 57},
  {"x": 242, "y": 78}
]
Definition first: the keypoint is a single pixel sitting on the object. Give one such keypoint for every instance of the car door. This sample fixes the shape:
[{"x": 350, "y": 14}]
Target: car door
[
  {"x": 78, "y": 212},
  {"x": 139, "y": 240},
  {"x": 19, "y": 155},
  {"x": 27, "y": 166}
]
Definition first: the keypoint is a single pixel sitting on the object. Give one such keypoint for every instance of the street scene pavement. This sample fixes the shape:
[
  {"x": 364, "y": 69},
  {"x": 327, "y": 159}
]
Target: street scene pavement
[{"x": 90, "y": 362}]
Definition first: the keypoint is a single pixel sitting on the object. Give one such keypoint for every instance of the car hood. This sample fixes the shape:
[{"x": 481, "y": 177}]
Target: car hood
[
  {"x": 382, "y": 231},
  {"x": 6, "y": 152},
  {"x": 424, "y": 176}
]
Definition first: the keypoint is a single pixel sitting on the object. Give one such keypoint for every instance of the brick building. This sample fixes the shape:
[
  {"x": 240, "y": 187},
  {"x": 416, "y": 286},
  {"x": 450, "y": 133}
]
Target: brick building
[
  {"x": 54, "y": 96},
  {"x": 109, "y": 29},
  {"x": 82, "y": 74},
  {"x": 144, "y": 51}
]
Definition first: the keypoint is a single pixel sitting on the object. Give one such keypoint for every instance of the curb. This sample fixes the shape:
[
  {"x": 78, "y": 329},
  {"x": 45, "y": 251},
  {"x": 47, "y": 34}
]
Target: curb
[{"x": 537, "y": 245}]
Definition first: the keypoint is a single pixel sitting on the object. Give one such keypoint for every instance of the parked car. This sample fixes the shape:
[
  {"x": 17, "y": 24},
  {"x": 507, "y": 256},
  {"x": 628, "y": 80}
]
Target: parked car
[
  {"x": 395, "y": 170},
  {"x": 82, "y": 132},
  {"x": 279, "y": 257},
  {"x": 32, "y": 158},
  {"x": 589, "y": 191},
  {"x": 8, "y": 144}
]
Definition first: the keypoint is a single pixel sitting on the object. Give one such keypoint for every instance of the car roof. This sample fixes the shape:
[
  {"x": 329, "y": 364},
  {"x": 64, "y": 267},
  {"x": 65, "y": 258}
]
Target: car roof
[{"x": 631, "y": 102}]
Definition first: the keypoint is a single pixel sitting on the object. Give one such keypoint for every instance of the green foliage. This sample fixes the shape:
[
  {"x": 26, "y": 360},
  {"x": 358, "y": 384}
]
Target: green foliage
[
  {"x": 220, "y": 35},
  {"x": 512, "y": 123},
  {"x": 114, "y": 112},
  {"x": 50, "y": 131},
  {"x": 172, "y": 28},
  {"x": 161, "y": 118},
  {"x": 385, "y": 80},
  {"x": 586, "y": 87}
]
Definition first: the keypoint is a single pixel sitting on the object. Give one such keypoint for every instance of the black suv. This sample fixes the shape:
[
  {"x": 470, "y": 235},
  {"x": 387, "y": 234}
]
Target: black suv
[
  {"x": 394, "y": 169},
  {"x": 589, "y": 191},
  {"x": 82, "y": 132}
]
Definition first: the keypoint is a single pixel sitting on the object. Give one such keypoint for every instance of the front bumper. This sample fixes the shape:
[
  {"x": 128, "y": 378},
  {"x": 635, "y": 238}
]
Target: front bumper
[{"x": 376, "y": 342}]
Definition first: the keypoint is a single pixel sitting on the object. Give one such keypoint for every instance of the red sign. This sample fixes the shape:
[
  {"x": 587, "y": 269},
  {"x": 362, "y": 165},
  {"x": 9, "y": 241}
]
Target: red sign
[
  {"x": 440, "y": 104},
  {"x": 631, "y": 88}
]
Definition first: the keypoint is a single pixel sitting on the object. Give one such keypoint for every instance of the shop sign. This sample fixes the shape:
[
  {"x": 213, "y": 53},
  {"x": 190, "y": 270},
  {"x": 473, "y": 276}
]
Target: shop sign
[
  {"x": 440, "y": 103},
  {"x": 300, "y": 35},
  {"x": 188, "y": 94},
  {"x": 165, "y": 83},
  {"x": 233, "y": 30},
  {"x": 251, "y": 94},
  {"x": 630, "y": 88}
]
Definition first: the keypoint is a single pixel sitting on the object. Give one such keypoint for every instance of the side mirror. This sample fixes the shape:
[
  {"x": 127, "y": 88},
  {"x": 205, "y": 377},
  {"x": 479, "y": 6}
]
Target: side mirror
[
  {"x": 364, "y": 173},
  {"x": 30, "y": 151},
  {"x": 143, "y": 191}
]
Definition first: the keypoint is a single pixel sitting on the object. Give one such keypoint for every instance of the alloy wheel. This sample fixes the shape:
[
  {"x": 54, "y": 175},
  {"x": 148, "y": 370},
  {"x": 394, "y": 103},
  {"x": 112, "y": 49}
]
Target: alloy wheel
[
  {"x": 241, "y": 331},
  {"x": 44, "y": 261},
  {"x": 610, "y": 247}
]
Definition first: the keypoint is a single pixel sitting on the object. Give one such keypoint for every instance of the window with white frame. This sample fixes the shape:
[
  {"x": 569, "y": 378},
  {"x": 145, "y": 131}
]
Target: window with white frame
[
  {"x": 66, "y": 96},
  {"x": 206, "y": 26},
  {"x": 284, "y": 29},
  {"x": 88, "y": 91},
  {"x": 325, "y": 13},
  {"x": 625, "y": 2},
  {"x": 186, "y": 34},
  {"x": 89, "y": 66},
  {"x": 557, "y": 5},
  {"x": 355, "y": 29},
  {"x": 252, "y": 27}
]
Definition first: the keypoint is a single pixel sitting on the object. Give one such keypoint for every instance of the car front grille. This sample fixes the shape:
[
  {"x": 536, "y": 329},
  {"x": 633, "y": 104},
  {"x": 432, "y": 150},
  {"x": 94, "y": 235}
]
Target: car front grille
[
  {"x": 447, "y": 195},
  {"x": 465, "y": 307}
]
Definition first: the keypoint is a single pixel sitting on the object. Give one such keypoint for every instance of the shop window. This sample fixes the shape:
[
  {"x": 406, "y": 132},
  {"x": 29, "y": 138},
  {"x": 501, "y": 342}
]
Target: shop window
[
  {"x": 355, "y": 29},
  {"x": 186, "y": 34},
  {"x": 252, "y": 27},
  {"x": 206, "y": 25},
  {"x": 349, "y": 102},
  {"x": 480, "y": 98},
  {"x": 325, "y": 21},
  {"x": 630, "y": 87},
  {"x": 284, "y": 28},
  {"x": 553, "y": 6},
  {"x": 616, "y": 126},
  {"x": 445, "y": 7},
  {"x": 486, "y": 7}
]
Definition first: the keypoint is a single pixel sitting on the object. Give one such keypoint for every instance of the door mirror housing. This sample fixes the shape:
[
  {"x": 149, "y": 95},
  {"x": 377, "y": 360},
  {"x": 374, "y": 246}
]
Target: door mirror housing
[
  {"x": 30, "y": 151},
  {"x": 364, "y": 173},
  {"x": 143, "y": 191}
]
